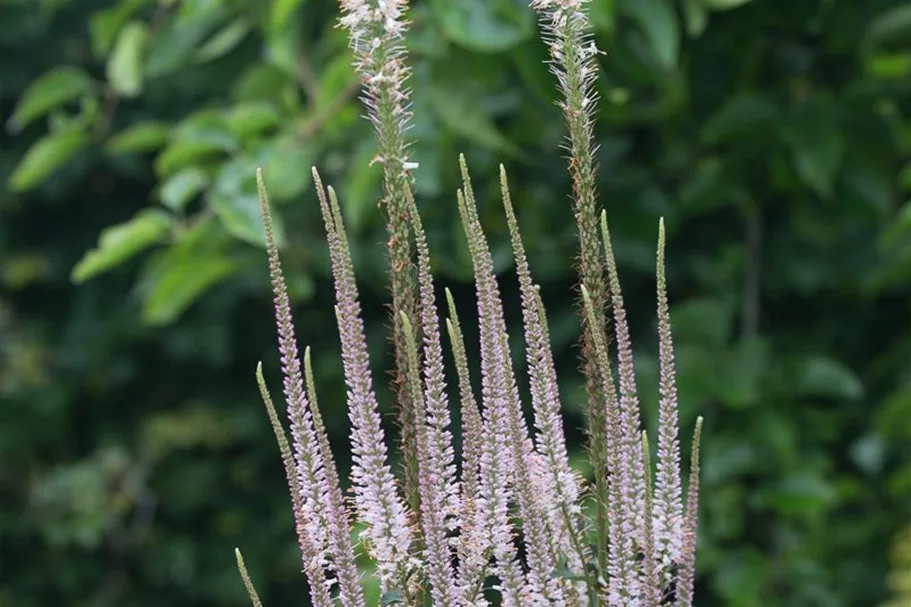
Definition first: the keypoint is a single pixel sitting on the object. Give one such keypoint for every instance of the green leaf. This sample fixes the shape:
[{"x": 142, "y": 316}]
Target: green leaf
[
  {"x": 391, "y": 597},
  {"x": 141, "y": 137},
  {"x": 177, "y": 276},
  {"x": 182, "y": 153},
  {"x": 235, "y": 200},
  {"x": 223, "y": 41},
  {"x": 822, "y": 376},
  {"x": 105, "y": 25},
  {"x": 173, "y": 46},
  {"x": 282, "y": 11},
  {"x": 124, "y": 67},
  {"x": 251, "y": 118},
  {"x": 739, "y": 117},
  {"x": 818, "y": 149},
  {"x": 702, "y": 321},
  {"x": 44, "y": 157},
  {"x": 487, "y": 26},
  {"x": 51, "y": 90},
  {"x": 286, "y": 163},
  {"x": 121, "y": 242},
  {"x": 899, "y": 228},
  {"x": 891, "y": 26},
  {"x": 203, "y": 135},
  {"x": 657, "y": 19},
  {"x": 459, "y": 110},
  {"x": 183, "y": 186},
  {"x": 695, "y": 16},
  {"x": 888, "y": 66},
  {"x": 740, "y": 382},
  {"x": 182, "y": 283},
  {"x": 602, "y": 15},
  {"x": 724, "y": 5}
]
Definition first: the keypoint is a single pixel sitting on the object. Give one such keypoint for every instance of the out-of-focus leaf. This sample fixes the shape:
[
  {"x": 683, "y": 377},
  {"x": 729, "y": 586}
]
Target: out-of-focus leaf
[
  {"x": 251, "y": 118},
  {"x": 44, "y": 157},
  {"x": 124, "y": 67},
  {"x": 602, "y": 15},
  {"x": 459, "y": 110},
  {"x": 868, "y": 452},
  {"x": 704, "y": 321},
  {"x": 899, "y": 228},
  {"x": 893, "y": 25},
  {"x": 141, "y": 137},
  {"x": 818, "y": 148},
  {"x": 820, "y": 376},
  {"x": 179, "y": 284},
  {"x": 262, "y": 83},
  {"x": 174, "y": 45},
  {"x": 202, "y": 135},
  {"x": 800, "y": 493},
  {"x": 177, "y": 276},
  {"x": 224, "y": 40},
  {"x": 181, "y": 187},
  {"x": 695, "y": 16},
  {"x": 182, "y": 153},
  {"x": 659, "y": 22},
  {"x": 283, "y": 45},
  {"x": 888, "y": 66},
  {"x": 51, "y": 90},
  {"x": 489, "y": 26},
  {"x": 744, "y": 369},
  {"x": 235, "y": 200},
  {"x": 286, "y": 164},
  {"x": 282, "y": 11},
  {"x": 121, "y": 242},
  {"x": 105, "y": 25},
  {"x": 723, "y": 5},
  {"x": 738, "y": 117}
]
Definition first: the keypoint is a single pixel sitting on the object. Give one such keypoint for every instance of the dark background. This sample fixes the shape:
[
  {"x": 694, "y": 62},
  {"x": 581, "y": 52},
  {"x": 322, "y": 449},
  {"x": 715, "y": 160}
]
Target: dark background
[{"x": 772, "y": 135}]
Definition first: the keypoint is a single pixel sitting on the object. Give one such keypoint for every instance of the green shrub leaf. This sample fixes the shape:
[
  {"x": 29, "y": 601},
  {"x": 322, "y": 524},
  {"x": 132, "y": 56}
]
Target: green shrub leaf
[
  {"x": 51, "y": 90},
  {"x": 45, "y": 156},
  {"x": 124, "y": 67},
  {"x": 489, "y": 26},
  {"x": 141, "y": 137},
  {"x": 121, "y": 242}
]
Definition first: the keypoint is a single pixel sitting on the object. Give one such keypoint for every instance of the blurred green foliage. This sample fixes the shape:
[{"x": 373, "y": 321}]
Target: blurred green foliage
[{"x": 773, "y": 135}]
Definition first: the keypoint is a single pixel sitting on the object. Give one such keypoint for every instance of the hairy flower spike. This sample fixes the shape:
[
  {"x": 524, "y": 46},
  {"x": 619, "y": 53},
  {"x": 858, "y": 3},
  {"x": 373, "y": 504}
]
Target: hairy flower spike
[
  {"x": 313, "y": 569},
  {"x": 378, "y": 504},
  {"x": 567, "y": 30},
  {"x": 668, "y": 505},
  {"x": 514, "y": 509},
  {"x": 323, "y": 517},
  {"x": 686, "y": 577},
  {"x": 375, "y": 32},
  {"x": 559, "y": 497},
  {"x": 502, "y": 396},
  {"x": 630, "y": 422}
]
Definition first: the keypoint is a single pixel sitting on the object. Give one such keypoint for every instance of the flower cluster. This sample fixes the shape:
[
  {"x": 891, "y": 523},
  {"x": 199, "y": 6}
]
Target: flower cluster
[{"x": 514, "y": 512}]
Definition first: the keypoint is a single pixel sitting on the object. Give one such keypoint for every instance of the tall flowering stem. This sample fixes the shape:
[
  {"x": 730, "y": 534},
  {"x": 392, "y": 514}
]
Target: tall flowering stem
[
  {"x": 567, "y": 30},
  {"x": 668, "y": 496},
  {"x": 561, "y": 495},
  {"x": 437, "y": 486},
  {"x": 321, "y": 518},
  {"x": 388, "y": 534},
  {"x": 375, "y": 32},
  {"x": 686, "y": 577},
  {"x": 515, "y": 512},
  {"x": 502, "y": 398}
]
